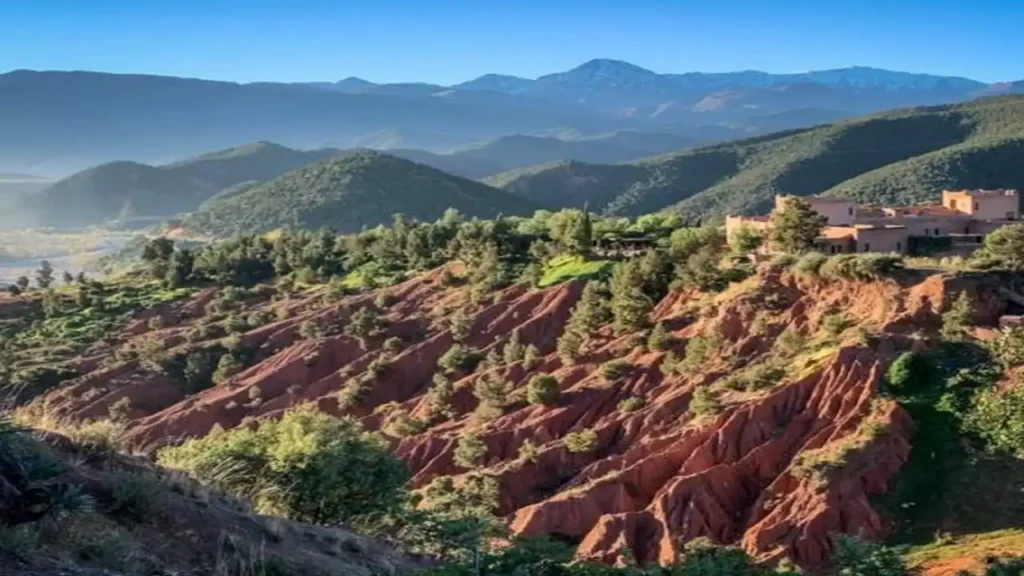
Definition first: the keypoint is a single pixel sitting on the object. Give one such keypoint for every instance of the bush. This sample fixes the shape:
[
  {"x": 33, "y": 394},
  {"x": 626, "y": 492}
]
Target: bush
[
  {"x": 660, "y": 339},
  {"x": 703, "y": 402},
  {"x": 809, "y": 264},
  {"x": 1005, "y": 246},
  {"x": 909, "y": 371},
  {"x": 439, "y": 397},
  {"x": 834, "y": 325},
  {"x": 1008, "y": 347},
  {"x": 514, "y": 349},
  {"x": 758, "y": 377},
  {"x": 580, "y": 441},
  {"x": 699, "y": 349},
  {"x": 308, "y": 466},
  {"x": 470, "y": 452},
  {"x": 615, "y": 369},
  {"x": 528, "y": 451},
  {"x": 459, "y": 357},
  {"x": 542, "y": 389},
  {"x": 871, "y": 266},
  {"x": 856, "y": 558},
  {"x": 958, "y": 318},
  {"x": 492, "y": 392},
  {"x": 998, "y": 417},
  {"x": 790, "y": 341},
  {"x": 631, "y": 404},
  {"x": 530, "y": 357}
]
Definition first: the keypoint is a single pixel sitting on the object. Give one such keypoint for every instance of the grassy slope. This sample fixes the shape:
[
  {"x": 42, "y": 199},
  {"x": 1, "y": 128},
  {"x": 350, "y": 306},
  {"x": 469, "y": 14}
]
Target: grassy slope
[
  {"x": 895, "y": 157},
  {"x": 360, "y": 189}
]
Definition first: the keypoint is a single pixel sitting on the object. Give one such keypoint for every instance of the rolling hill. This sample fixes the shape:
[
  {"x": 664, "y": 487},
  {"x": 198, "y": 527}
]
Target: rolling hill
[
  {"x": 494, "y": 156},
  {"x": 356, "y": 190},
  {"x": 897, "y": 157},
  {"x": 129, "y": 190}
]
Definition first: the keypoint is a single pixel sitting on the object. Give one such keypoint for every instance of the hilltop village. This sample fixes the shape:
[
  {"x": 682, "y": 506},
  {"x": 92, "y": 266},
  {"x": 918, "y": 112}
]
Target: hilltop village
[{"x": 956, "y": 225}]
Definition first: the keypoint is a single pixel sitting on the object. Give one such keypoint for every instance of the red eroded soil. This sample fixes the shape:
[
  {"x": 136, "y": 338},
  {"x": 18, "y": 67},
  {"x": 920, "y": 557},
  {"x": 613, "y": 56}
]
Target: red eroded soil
[{"x": 658, "y": 476}]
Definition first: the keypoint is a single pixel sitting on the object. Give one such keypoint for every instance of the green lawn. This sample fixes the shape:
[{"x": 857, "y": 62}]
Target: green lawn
[{"x": 566, "y": 267}]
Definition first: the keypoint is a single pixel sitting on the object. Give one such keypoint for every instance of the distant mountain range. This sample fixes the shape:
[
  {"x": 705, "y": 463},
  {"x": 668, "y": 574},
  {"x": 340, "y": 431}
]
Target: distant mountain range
[{"x": 53, "y": 123}]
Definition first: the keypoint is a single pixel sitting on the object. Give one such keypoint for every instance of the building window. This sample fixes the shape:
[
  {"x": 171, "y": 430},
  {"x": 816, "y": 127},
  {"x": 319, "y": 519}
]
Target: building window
[
  {"x": 1010, "y": 215},
  {"x": 899, "y": 246},
  {"x": 952, "y": 204},
  {"x": 867, "y": 247},
  {"x": 975, "y": 206},
  {"x": 936, "y": 231},
  {"x": 851, "y": 210}
]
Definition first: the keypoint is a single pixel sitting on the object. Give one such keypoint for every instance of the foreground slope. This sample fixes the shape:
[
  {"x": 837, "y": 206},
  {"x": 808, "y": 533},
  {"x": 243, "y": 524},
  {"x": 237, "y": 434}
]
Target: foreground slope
[
  {"x": 72, "y": 506},
  {"x": 359, "y": 189},
  {"x": 682, "y": 443},
  {"x": 897, "y": 157},
  {"x": 130, "y": 189}
]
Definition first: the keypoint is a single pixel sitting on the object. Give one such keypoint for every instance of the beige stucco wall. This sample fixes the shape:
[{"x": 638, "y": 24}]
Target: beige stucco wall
[
  {"x": 984, "y": 206},
  {"x": 839, "y": 212},
  {"x": 734, "y": 223},
  {"x": 881, "y": 239}
]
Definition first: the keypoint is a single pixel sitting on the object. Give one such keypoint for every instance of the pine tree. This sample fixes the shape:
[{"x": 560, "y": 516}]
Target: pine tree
[
  {"x": 470, "y": 452},
  {"x": 630, "y": 306},
  {"x": 591, "y": 310},
  {"x": 659, "y": 339},
  {"x": 44, "y": 276},
  {"x": 513, "y": 351},
  {"x": 795, "y": 226},
  {"x": 569, "y": 346}
]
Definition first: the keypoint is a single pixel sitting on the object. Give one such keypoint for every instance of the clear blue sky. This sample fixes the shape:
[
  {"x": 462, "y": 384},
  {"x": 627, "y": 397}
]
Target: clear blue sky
[{"x": 448, "y": 41}]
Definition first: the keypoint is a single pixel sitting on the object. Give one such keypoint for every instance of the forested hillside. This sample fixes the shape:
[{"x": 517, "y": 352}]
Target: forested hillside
[
  {"x": 360, "y": 189},
  {"x": 898, "y": 157}
]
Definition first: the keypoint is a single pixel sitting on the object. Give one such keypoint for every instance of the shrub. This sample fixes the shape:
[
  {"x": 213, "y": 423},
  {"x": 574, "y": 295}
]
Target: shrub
[
  {"x": 459, "y": 357},
  {"x": 460, "y": 326},
  {"x": 542, "y": 389},
  {"x": 699, "y": 349},
  {"x": 834, "y": 325},
  {"x": 569, "y": 347},
  {"x": 790, "y": 341},
  {"x": 492, "y": 392},
  {"x": 856, "y": 558},
  {"x": 958, "y": 318},
  {"x": 530, "y": 357},
  {"x": 809, "y": 264},
  {"x": 757, "y": 377},
  {"x": 703, "y": 402},
  {"x": 580, "y": 441},
  {"x": 631, "y": 404},
  {"x": 907, "y": 372},
  {"x": 670, "y": 364},
  {"x": 308, "y": 466},
  {"x": 528, "y": 451},
  {"x": 352, "y": 393},
  {"x": 121, "y": 410},
  {"x": 392, "y": 345},
  {"x": 470, "y": 451},
  {"x": 364, "y": 324},
  {"x": 1008, "y": 347},
  {"x": 137, "y": 495},
  {"x": 400, "y": 424},
  {"x": 513, "y": 351},
  {"x": 1005, "y": 246},
  {"x": 227, "y": 367},
  {"x": 660, "y": 339},
  {"x": 439, "y": 397},
  {"x": 310, "y": 330},
  {"x": 998, "y": 417},
  {"x": 615, "y": 369}
]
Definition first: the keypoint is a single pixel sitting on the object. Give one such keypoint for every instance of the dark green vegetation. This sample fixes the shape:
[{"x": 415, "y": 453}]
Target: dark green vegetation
[
  {"x": 357, "y": 190},
  {"x": 509, "y": 152},
  {"x": 125, "y": 191},
  {"x": 900, "y": 157}
]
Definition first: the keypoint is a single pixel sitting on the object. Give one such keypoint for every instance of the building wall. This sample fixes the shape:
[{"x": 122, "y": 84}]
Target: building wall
[
  {"x": 991, "y": 206},
  {"x": 881, "y": 239},
  {"x": 838, "y": 211},
  {"x": 927, "y": 226},
  {"x": 734, "y": 223}
]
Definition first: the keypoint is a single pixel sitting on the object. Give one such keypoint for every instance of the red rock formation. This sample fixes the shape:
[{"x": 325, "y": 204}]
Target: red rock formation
[{"x": 658, "y": 476}]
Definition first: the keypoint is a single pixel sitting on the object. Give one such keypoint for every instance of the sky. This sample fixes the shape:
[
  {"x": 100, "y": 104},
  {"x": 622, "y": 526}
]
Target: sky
[{"x": 450, "y": 41}]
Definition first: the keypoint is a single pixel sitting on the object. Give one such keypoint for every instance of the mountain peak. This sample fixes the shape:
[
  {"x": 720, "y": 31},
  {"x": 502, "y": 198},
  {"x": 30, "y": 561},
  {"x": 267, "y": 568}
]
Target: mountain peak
[{"x": 608, "y": 65}]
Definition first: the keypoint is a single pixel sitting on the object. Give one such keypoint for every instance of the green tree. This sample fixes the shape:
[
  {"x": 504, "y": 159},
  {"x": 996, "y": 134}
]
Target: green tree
[
  {"x": 795, "y": 226},
  {"x": 179, "y": 269},
  {"x": 542, "y": 389},
  {"x": 44, "y": 275},
  {"x": 745, "y": 240},
  {"x": 591, "y": 310},
  {"x": 569, "y": 347},
  {"x": 439, "y": 397},
  {"x": 958, "y": 318},
  {"x": 630, "y": 305},
  {"x": 307, "y": 465},
  {"x": 156, "y": 253},
  {"x": 1006, "y": 246},
  {"x": 856, "y": 558},
  {"x": 514, "y": 349},
  {"x": 660, "y": 339},
  {"x": 470, "y": 451},
  {"x": 22, "y": 283},
  {"x": 67, "y": 277}
]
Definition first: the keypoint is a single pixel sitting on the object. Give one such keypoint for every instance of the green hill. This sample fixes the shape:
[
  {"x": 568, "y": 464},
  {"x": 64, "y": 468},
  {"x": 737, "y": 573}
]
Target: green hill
[
  {"x": 132, "y": 190},
  {"x": 897, "y": 157},
  {"x": 350, "y": 192},
  {"x": 509, "y": 152}
]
